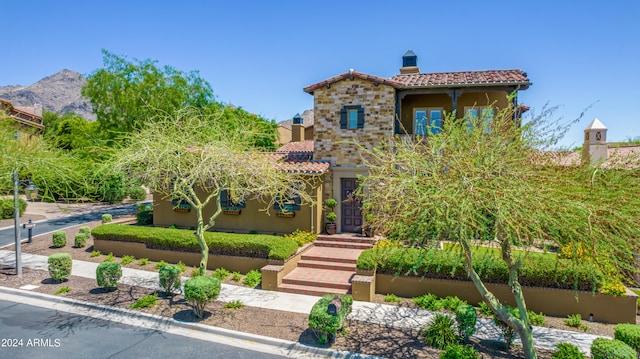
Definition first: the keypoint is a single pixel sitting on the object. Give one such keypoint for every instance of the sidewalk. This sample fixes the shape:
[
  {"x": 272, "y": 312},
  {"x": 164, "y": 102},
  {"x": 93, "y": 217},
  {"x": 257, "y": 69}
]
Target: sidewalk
[{"x": 544, "y": 338}]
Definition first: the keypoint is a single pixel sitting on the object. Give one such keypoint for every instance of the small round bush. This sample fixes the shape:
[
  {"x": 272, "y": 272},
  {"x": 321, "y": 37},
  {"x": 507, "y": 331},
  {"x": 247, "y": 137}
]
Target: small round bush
[
  {"x": 80, "y": 240},
  {"x": 86, "y": 230},
  {"x": 59, "y": 239},
  {"x": 459, "y": 351},
  {"x": 137, "y": 193},
  {"x": 628, "y": 334},
  {"x": 199, "y": 291},
  {"x": 108, "y": 274},
  {"x": 466, "y": 317},
  {"x": 170, "y": 279},
  {"x": 332, "y": 216},
  {"x": 441, "y": 332},
  {"x": 60, "y": 266},
  {"x": 107, "y": 218},
  {"x": 567, "y": 351},
  {"x": 604, "y": 348}
]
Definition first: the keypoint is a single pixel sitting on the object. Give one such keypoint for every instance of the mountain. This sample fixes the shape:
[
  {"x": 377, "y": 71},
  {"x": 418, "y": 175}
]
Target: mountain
[
  {"x": 307, "y": 119},
  {"x": 57, "y": 93}
]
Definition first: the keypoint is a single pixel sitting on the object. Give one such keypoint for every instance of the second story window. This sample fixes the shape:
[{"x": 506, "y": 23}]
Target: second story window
[{"x": 352, "y": 117}]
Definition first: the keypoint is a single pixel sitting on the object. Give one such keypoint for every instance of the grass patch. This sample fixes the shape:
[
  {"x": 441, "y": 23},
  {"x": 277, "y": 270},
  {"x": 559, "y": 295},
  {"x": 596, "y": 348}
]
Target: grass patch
[
  {"x": 392, "y": 298},
  {"x": 235, "y": 304},
  {"x": 95, "y": 254},
  {"x": 62, "y": 290},
  {"x": 148, "y": 300},
  {"x": 127, "y": 259},
  {"x": 575, "y": 321},
  {"x": 143, "y": 261},
  {"x": 252, "y": 279},
  {"x": 221, "y": 274},
  {"x": 236, "y": 276},
  {"x": 161, "y": 264},
  {"x": 109, "y": 258}
]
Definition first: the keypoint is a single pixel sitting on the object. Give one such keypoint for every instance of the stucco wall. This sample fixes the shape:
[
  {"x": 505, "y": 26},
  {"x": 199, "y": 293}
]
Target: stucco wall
[{"x": 251, "y": 218}]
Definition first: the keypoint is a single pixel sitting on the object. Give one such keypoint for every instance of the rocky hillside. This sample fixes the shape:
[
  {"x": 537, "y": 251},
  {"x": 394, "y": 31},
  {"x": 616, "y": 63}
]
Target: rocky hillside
[
  {"x": 307, "y": 119},
  {"x": 57, "y": 93}
]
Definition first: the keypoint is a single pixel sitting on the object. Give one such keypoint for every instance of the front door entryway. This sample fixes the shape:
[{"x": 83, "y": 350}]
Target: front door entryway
[{"x": 351, "y": 217}]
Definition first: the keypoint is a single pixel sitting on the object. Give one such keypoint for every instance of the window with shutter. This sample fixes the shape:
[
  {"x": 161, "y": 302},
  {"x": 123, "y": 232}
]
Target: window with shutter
[
  {"x": 352, "y": 117},
  {"x": 227, "y": 202}
]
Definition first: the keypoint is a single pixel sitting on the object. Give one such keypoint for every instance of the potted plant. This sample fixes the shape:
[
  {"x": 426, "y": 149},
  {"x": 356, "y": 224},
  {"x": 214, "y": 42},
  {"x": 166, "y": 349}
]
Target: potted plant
[{"x": 330, "y": 227}]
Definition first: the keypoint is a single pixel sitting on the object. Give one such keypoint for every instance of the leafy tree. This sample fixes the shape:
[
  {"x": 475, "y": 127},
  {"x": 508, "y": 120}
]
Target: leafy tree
[
  {"x": 51, "y": 170},
  {"x": 490, "y": 181},
  {"x": 191, "y": 155},
  {"x": 71, "y": 132},
  {"x": 127, "y": 95}
]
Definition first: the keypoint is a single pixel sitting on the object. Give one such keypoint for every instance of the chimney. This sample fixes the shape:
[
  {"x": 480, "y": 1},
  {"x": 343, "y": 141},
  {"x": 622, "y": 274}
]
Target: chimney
[
  {"x": 297, "y": 129},
  {"x": 594, "y": 148},
  {"x": 409, "y": 63}
]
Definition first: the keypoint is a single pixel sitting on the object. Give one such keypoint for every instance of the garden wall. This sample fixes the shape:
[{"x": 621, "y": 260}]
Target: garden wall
[
  {"x": 139, "y": 250},
  {"x": 550, "y": 301}
]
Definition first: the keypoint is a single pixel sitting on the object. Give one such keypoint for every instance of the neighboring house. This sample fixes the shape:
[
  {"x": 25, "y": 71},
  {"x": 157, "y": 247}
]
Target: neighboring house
[
  {"x": 29, "y": 119},
  {"x": 355, "y": 108}
]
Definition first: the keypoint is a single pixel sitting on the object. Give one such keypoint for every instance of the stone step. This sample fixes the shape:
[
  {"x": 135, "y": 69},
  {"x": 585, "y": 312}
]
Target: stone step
[
  {"x": 324, "y": 278},
  {"x": 325, "y": 264},
  {"x": 348, "y": 239},
  {"x": 310, "y": 290},
  {"x": 338, "y": 244},
  {"x": 330, "y": 254}
]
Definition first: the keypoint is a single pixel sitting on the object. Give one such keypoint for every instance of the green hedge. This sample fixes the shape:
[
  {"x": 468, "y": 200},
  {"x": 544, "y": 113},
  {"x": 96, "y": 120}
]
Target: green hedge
[
  {"x": 6, "y": 207},
  {"x": 232, "y": 244},
  {"x": 605, "y": 348},
  {"x": 629, "y": 334},
  {"x": 538, "y": 269},
  {"x": 326, "y": 325}
]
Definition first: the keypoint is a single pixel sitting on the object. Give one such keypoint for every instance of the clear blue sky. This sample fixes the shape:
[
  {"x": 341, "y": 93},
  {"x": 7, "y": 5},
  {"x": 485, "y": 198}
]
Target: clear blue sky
[{"x": 260, "y": 54}]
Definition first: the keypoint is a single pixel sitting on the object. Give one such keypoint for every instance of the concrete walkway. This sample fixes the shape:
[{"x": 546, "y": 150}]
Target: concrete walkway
[{"x": 544, "y": 338}]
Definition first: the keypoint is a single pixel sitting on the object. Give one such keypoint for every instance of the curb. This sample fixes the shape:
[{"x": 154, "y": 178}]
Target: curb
[{"x": 292, "y": 349}]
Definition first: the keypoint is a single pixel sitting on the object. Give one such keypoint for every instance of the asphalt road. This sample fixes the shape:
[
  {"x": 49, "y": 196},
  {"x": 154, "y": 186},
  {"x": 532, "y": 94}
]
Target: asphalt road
[
  {"x": 7, "y": 235},
  {"x": 34, "y": 332}
]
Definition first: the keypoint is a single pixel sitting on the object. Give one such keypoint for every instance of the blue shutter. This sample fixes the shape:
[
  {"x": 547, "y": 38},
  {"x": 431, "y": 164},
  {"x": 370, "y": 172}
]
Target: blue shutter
[
  {"x": 360, "y": 117},
  {"x": 276, "y": 204},
  {"x": 296, "y": 203},
  {"x": 224, "y": 198},
  {"x": 343, "y": 118}
]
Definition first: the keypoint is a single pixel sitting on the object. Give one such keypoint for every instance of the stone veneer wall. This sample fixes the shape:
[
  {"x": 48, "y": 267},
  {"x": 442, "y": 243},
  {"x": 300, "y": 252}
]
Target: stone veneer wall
[{"x": 331, "y": 142}]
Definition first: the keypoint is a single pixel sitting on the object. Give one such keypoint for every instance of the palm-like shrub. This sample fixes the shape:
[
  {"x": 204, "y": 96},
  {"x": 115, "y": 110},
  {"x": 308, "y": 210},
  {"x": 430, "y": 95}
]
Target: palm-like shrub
[{"x": 441, "y": 332}]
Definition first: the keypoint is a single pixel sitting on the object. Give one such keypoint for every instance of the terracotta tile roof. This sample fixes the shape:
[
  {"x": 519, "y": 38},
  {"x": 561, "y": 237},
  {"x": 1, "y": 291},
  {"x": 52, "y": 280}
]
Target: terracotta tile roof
[
  {"x": 463, "y": 79},
  {"x": 618, "y": 156},
  {"x": 306, "y": 167},
  {"x": 354, "y": 74},
  {"x": 303, "y": 146}
]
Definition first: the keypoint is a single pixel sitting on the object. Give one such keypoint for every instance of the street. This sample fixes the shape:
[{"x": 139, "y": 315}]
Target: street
[
  {"x": 29, "y": 331},
  {"x": 7, "y": 235}
]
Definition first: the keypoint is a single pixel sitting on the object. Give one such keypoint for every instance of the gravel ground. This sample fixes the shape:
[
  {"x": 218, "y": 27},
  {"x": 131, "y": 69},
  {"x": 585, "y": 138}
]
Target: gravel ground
[{"x": 359, "y": 337}]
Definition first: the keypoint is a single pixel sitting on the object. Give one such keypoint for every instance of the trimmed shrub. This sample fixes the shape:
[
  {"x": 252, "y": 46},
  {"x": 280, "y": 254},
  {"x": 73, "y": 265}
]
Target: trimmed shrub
[
  {"x": 538, "y": 269},
  {"x": 441, "y": 332},
  {"x": 107, "y": 218},
  {"x": 86, "y": 230},
  {"x": 392, "y": 298},
  {"x": 127, "y": 259},
  {"x": 628, "y": 334},
  {"x": 459, "y": 351},
  {"x": 137, "y": 193},
  {"x": 59, "y": 239},
  {"x": 60, "y": 266},
  {"x": 253, "y": 278},
  {"x": 199, "y": 291},
  {"x": 466, "y": 317},
  {"x": 144, "y": 213},
  {"x": 170, "y": 279},
  {"x": 575, "y": 321},
  {"x": 220, "y": 243},
  {"x": 80, "y": 240},
  {"x": 108, "y": 274},
  {"x": 604, "y": 348},
  {"x": 324, "y": 325},
  {"x": 567, "y": 351},
  {"x": 7, "y": 208}
]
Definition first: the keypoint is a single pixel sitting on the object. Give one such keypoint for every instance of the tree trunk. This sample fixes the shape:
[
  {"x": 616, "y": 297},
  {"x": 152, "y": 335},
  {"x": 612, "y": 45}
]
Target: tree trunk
[
  {"x": 204, "y": 248},
  {"x": 524, "y": 330}
]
